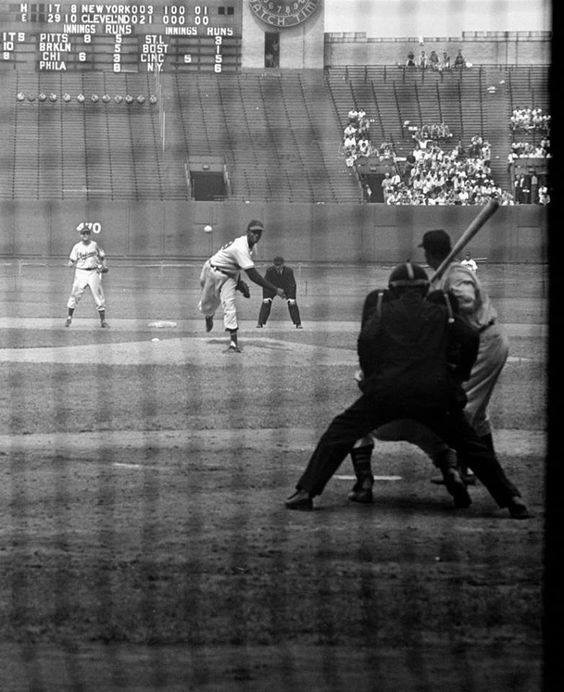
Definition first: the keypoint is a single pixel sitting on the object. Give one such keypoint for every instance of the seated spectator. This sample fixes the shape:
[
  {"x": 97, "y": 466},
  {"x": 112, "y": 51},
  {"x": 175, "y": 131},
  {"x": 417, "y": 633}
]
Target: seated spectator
[
  {"x": 350, "y": 130},
  {"x": 410, "y": 62},
  {"x": 363, "y": 147},
  {"x": 445, "y": 61},
  {"x": 434, "y": 60},
  {"x": 460, "y": 60},
  {"x": 544, "y": 197},
  {"x": 423, "y": 61}
]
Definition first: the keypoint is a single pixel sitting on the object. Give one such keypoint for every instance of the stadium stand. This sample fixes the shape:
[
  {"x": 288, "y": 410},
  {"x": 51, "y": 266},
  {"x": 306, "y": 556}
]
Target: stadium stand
[{"x": 279, "y": 134}]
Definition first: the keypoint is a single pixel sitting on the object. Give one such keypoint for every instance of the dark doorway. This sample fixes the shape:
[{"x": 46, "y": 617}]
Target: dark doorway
[
  {"x": 207, "y": 187},
  {"x": 272, "y": 49},
  {"x": 372, "y": 184}
]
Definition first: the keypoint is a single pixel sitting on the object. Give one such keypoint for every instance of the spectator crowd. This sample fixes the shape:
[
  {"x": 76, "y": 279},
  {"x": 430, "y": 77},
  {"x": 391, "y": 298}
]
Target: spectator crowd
[
  {"x": 433, "y": 176},
  {"x": 356, "y": 137},
  {"x": 433, "y": 61},
  {"x": 529, "y": 119}
]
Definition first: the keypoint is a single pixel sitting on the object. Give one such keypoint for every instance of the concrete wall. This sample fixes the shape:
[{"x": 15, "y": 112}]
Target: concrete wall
[
  {"x": 353, "y": 233},
  {"x": 515, "y": 49}
]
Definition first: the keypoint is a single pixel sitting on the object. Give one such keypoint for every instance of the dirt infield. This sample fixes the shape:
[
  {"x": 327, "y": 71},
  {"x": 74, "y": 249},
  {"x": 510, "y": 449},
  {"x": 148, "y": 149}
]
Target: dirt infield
[{"x": 145, "y": 544}]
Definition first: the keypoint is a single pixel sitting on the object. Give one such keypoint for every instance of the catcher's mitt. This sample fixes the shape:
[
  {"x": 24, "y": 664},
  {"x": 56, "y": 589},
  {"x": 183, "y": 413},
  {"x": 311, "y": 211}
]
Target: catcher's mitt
[
  {"x": 101, "y": 269},
  {"x": 244, "y": 288}
]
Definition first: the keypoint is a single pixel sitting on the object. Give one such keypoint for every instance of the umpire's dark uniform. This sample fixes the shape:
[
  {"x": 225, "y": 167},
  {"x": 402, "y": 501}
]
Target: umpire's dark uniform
[
  {"x": 282, "y": 277},
  {"x": 404, "y": 352}
]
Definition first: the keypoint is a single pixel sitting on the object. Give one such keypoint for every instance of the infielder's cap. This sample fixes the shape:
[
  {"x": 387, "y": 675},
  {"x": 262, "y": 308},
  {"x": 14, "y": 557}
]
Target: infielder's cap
[
  {"x": 255, "y": 225},
  {"x": 278, "y": 260},
  {"x": 436, "y": 241},
  {"x": 83, "y": 227},
  {"x": 408, "y": 275}
]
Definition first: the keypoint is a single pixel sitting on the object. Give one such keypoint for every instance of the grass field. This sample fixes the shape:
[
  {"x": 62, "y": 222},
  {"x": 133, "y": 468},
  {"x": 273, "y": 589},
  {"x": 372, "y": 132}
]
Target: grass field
[{"x": 145, "y": 544}]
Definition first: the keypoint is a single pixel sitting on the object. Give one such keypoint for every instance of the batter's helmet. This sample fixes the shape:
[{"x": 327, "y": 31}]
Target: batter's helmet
[
  {"x": 408, "y": 275},
  {"x": 436, "y": 241}
]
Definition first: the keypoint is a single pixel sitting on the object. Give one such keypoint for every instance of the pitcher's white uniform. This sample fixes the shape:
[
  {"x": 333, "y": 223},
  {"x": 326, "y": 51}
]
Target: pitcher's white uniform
[
  {"x": 219, "y": 276},
  {"x": 86, "y": 258}
]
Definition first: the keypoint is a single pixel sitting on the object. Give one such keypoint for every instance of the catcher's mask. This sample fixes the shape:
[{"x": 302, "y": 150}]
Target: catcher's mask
[{"x": 408, "y": 276}]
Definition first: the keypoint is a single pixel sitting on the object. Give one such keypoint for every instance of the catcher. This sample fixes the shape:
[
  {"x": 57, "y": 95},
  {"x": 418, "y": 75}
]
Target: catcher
[
  {"x": 90, "y": 263},
  {"x": 221, "y": 278}
]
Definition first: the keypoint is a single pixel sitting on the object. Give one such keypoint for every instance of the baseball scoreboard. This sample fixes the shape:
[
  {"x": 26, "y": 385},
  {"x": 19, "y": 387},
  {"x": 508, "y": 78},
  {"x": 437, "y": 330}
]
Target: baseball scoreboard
[{"x": 121, "y": 37}]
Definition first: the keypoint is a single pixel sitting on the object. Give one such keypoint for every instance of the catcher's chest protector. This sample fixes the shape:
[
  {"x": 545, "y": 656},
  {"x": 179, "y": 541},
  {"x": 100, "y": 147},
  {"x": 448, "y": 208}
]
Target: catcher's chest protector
[{"x": 402, "y": 347}]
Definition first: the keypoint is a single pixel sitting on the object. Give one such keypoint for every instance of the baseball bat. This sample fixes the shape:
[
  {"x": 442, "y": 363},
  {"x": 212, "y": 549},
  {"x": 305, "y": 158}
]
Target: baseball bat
[{"x": 485, "y": 213}]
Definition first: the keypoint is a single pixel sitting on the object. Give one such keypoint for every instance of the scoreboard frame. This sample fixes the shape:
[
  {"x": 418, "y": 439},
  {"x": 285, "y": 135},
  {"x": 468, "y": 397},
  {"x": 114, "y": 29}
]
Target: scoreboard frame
[{"x": 188, "y": 36}]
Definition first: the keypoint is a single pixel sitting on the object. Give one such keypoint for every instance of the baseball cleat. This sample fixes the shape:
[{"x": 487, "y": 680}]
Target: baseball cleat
[
  {"x": 299, "y": 326},
  {"x": 68, "y": 322},
  {"x": 362, "y": 492},
  {"x": 300, "y": 500},
  {"x": 457, "y": 488},
  {"x": 233, "y": 349},
  {"x": 104, "y": 324},
  {"x": 209, "y": 324},
  {"x": 518, "y": 509},
  {"x": 260, "y": 326}
]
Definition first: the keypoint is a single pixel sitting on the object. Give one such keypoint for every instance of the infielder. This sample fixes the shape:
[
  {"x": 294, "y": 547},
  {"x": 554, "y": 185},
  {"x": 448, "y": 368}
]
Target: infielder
[
  {"x": 221, "y": 278},
  {"x": 281, "y": 276},
  {"x": 475, "y": 307},
  {"x": 90, "y": 263}
]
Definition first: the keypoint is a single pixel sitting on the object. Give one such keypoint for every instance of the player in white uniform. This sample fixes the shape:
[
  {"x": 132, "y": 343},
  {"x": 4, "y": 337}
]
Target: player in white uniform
[
  {"x": 221, "y": 278},
  {"x": 469, "y": 263},
  {"x": 89, "y": 261}
]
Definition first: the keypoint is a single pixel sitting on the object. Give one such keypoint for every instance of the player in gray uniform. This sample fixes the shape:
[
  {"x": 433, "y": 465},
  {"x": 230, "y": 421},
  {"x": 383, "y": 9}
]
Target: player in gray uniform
[
  {"x": 220, "y": 278},
  {"x": 90, "y": 263},
  {"x": 475, "y": 307}
]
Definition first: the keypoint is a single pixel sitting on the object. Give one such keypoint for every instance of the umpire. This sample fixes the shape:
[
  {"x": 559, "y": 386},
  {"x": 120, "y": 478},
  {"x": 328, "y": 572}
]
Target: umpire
[
  {"x": 282, "y": 277},
  {"x": 406, "y": 353}
]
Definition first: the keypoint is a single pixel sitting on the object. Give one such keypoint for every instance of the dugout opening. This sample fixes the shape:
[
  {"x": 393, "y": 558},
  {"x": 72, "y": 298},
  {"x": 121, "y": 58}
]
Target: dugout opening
[{"x": 208, "y": 179}]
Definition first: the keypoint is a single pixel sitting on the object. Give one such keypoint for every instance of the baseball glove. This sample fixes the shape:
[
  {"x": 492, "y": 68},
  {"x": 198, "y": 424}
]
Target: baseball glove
[
  {"x": 101, "y": 269},
  {"x": 243, "y": 288}
]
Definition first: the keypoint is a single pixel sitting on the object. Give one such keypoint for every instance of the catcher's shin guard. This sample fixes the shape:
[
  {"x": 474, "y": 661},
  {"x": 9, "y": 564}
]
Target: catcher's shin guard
[
  {"x": 294, "y": 312},
  {"x": 361, "y": 460},
  {"x": 264, "y": 311}
]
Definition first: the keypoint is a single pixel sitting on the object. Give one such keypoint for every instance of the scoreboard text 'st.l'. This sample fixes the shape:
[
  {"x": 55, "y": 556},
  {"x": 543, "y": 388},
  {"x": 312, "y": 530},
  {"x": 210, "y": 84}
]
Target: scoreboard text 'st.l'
[{"x": 121, "y": 37}]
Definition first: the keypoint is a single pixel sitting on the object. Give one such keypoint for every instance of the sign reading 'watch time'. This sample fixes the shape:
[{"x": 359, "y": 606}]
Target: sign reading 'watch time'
[{"x": 284, "y": 13}]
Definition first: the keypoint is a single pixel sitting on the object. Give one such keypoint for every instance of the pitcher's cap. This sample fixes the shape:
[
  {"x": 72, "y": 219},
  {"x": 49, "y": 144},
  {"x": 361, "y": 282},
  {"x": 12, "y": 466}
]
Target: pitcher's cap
[{"x": 255, "y": 225}]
